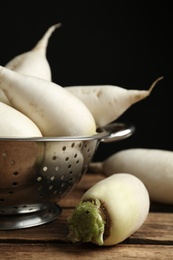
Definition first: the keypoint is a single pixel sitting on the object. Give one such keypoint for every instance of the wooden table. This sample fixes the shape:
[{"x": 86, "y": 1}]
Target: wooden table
[{"x": 154, "y": 240}]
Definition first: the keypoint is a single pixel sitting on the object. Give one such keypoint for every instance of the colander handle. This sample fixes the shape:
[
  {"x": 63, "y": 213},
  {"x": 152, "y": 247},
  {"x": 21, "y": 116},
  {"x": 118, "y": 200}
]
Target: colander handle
[{"x": 117, "y": 131}]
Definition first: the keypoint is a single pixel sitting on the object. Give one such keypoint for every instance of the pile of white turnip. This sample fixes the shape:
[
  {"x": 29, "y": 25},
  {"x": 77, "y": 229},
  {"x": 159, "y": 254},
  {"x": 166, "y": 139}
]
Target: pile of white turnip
[
  {"x": 32, "y": 105},
  {"x": 26, "y": 86}
]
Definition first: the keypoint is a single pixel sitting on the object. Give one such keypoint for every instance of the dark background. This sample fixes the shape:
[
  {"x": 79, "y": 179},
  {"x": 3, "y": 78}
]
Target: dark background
[{"x": 123, "y": 43}]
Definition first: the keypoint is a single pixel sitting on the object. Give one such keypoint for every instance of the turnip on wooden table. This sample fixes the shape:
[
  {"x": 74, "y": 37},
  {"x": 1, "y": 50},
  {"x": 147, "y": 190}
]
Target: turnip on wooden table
[
  {"x": 110, "y": 211},
  {"x": 154, "y": 167}
]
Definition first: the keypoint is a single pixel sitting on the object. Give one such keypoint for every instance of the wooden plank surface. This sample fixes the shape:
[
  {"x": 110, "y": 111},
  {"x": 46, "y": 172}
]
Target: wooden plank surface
[
  {"x": 73, "y": 252},
  {"x": 154, "y": 240}
]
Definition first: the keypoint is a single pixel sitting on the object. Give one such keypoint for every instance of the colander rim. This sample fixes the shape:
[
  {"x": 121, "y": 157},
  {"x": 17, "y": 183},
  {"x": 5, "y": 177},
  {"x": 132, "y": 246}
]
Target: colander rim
[
  {"x": 111, "y": 132},
  {"x": 97, "y": 136}
]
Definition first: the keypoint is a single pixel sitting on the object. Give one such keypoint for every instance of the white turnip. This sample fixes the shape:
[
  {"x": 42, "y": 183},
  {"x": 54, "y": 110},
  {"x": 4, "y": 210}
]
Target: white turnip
[
  {"x": 34, "y": 62},
  {"x": 110, "y": 211},
  {"x": 154, "y": 167},
  {"x": 53, "y": 109},
  {"x": 3, "y": 98},
  {"x": 15, "y": 124},
  {"x": 108, "y": 102}
]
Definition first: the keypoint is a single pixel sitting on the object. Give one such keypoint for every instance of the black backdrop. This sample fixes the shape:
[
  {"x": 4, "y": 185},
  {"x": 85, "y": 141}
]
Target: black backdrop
[{"x": 124, "y": 43}]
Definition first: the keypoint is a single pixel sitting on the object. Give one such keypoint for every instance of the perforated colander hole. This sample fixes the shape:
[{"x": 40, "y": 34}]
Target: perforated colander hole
[
  {"x": 39, "y": 178},
  {"x": 4, "y": 154},
  {"x": 62, "y": 184},
  {"x": 12, "y": 162},
  {"x": 54, "y": 158},
  {"x": 15, "y": 184},
  {"x": 88, "y": 153},
  {"x": 45, "y": 168},
  {"x": 52, "y": 178},
  {"x": 75, "y": 155},
  {"x": 72, "y": 145},
  {"x": 56, "y": 168},
  {"x": 80, "y": 145},
  {"x": 70, "y": 173},
  {"x": 66, "y": 159},
  {"x": 62, "y": 177},
  {"x": 50, "y": 187},
  {"x": 39, "y": 188},
  {"x": 70, "y": 181},
  {"x": 77, "y": 161},
  {"x": 15, "y": 173},
  {"x": 69, "y": 166},
  {"x": 64, "y": 148}
]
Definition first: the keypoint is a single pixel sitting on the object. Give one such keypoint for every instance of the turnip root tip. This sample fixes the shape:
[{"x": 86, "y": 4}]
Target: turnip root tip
[
  {"x": 108, "y": 102},
  {"x": 154, "y": 84},
  {"x": 34, "y": 62},
  {"x": 42, "y": 44}
]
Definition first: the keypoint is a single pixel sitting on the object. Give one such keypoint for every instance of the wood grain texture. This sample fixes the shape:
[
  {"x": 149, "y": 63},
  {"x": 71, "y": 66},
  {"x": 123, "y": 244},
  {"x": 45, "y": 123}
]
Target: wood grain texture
[{"x": 154, "y": 240}]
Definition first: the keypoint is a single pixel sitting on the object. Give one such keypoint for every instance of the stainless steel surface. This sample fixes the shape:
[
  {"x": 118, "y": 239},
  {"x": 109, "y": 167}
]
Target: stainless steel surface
[
  {"x": 18, "y": 221},
  {"x": 36, "y": 173},
  {"x": 122, "y": 131}
]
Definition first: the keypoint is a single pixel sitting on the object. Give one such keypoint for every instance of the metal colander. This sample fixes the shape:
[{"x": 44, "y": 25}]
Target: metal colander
[{"x": 36, "y": 173}]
